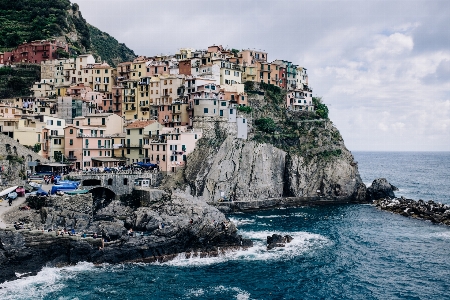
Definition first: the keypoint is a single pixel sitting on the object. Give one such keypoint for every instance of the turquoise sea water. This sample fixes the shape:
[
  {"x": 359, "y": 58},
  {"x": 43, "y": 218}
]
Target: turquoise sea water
[{"x": 338, "y": 252}]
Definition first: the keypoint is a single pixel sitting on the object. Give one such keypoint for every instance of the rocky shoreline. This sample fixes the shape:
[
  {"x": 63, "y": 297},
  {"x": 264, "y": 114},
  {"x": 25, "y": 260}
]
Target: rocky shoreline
[
  {"x": 161, "y": 228},
  {"x": 425, "y": 210}
]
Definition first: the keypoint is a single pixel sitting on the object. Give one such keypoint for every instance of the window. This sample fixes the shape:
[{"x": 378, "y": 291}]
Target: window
[
  {"x": 128, "y": 132},
  {"x": 223, "y": 104},
  {"x": 77, "y": 123},
  {"x": 89, "y": 121},
  {"x": 58, "y": 123},
  {"x": 110, "y": 181},
  {"x": 99, "y": 153},
  {"x": 103, "y": 121},
  {"x": 205, "y": 110},
  {"x": 125, "y": 181},
  {"x": 196, "y": 101},
  {"x": 140, "y": 131},
  {"x": 71, "y": 142}
]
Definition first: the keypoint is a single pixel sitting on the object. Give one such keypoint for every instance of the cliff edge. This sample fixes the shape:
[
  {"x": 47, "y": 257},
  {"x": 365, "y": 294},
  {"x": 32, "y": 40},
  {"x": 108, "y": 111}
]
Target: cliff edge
[{"x": 287, "y": 154}]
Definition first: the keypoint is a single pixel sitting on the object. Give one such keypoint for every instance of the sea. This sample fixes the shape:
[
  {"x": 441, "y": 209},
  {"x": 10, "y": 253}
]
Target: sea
[{"x": 338, "y": 252}]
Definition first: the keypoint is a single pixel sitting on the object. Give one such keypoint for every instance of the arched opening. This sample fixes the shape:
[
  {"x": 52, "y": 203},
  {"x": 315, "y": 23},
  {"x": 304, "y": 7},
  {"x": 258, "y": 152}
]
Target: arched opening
[
  {"x": 110, "y": 181},
  {"x": 92, "y": 182},
  {"x": 125, "y": 181}
]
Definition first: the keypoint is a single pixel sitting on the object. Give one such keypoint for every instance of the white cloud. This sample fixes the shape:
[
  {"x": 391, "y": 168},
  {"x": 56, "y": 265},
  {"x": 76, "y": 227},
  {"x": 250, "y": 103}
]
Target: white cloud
[{"x": 383, "y": 67}]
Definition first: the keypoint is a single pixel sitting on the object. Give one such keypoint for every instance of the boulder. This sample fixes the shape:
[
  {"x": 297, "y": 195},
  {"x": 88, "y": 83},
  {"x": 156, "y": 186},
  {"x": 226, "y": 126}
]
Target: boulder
[
  {"x": 379, "y": 189},
  {"x": 277, "y": 240}
]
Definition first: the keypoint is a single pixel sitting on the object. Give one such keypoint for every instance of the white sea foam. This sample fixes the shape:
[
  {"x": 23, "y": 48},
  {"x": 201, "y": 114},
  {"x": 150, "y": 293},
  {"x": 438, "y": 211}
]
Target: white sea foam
[
  {"x": 213, "y": 292},
  {"x": 303, "y": 242},
  {"x": 48, "y": 280},
  {"x": 242, "y": 221},
  {"x": 441, "y": 235}
]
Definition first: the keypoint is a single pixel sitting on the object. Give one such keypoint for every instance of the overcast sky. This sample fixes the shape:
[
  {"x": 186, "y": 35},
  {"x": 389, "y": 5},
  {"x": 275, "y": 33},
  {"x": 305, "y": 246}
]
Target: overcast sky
[{"x": 382, "y": 67}]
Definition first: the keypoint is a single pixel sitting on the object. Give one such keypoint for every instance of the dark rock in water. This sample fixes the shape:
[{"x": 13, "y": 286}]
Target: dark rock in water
[
  {"x": 432, "y": 211},
  {"x": 379, "y": 189},
  {"x": 288, "y": 238},
  {"x": 277, "y": 240}
]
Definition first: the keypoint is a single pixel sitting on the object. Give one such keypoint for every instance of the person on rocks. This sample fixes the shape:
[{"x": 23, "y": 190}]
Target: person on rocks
[
  {"x": 10, "y": 201},
  {"x": 191, "y": 221}
]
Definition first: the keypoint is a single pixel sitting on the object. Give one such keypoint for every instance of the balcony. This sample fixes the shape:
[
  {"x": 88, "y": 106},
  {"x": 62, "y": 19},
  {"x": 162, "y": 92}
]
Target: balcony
[
  {"x": 71, "y": 158},
  {"x": 45, "y": 55}
]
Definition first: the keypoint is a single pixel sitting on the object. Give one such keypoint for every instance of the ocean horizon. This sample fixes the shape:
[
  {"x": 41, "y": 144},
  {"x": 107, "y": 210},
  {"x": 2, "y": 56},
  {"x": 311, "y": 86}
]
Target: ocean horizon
[{"x": 338, "y": 252}]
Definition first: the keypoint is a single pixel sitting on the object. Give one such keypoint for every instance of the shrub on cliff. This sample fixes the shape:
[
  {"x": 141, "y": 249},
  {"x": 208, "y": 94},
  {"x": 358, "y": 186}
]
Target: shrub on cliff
[
  {"x": 246, "y": 109},
  {"x": 266, "y": 125},
  {"x": 320, "y": 108}
]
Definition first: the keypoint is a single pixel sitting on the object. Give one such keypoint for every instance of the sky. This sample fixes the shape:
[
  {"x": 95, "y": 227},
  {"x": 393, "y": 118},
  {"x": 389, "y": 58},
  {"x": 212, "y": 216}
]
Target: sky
[{"x": 382, "y": 67}]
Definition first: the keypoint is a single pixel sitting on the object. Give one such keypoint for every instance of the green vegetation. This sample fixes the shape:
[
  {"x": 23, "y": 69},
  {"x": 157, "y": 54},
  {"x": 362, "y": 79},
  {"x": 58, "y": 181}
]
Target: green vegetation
[
  {"x": 29, "y": 20},
  {"x": 266, "y": 125},
  {"x": 16, "y": 82},
  {"x": 62, "y": 54},
  {"x": 249, "y": 86},
  {"x": 246, "y": 109},
  {"x": 321, "y": 109},
  {"x": 235, "y": 51},
  {"x": 108, "y": 48},
  {"x": 14, "y": 159},
  {"x": 302, "y": 133}
]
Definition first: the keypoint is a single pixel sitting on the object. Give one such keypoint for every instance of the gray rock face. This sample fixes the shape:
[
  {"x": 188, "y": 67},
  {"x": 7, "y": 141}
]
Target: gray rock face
[
  {"x": 379, "y": 189},
  {"x": 248, "y": 171},
  {"x": 241, "y": 170},
  {"x": 161, "y": 230}
]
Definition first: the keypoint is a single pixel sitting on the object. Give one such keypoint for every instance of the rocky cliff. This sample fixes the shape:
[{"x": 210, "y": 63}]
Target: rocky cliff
[
  {"x": 166, "y": 226},
  {"x": 294, "y": 154}
]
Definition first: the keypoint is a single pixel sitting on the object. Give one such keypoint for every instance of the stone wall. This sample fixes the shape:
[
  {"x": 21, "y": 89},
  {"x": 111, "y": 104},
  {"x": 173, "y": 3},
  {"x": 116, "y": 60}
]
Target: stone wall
[
  {"x": 116, "y": 181},
  {"x": 13, "y": 170},
  {"x": 12, "y": 147}
]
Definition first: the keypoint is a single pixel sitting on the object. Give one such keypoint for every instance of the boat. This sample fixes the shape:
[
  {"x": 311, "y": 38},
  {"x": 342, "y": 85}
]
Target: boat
[
  {"x": 5, "y": 192},
  {"x": 35, "y": 185},
  {"x": 12, "y": 195},
  {"x": 76, "y": 192},
  {"x": 20, "y": 191}
]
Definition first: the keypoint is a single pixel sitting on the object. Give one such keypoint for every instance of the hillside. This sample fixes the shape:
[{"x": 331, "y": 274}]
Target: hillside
[
  {"x": 287, "y": 154},
  {"x": 28, "y": 20},
  {"x": 106, "y": 48},
  {"x": 16, "y": 82}
]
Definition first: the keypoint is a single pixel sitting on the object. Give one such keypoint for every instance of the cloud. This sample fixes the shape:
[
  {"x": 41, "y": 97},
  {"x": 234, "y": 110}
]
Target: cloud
[
  {"x": 441, "y": 75},
  {"x": 383, "y": 67}
]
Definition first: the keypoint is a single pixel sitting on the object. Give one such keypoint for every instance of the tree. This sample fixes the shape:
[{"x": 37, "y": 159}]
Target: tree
[
  {"x": 266, "y": 125},
  {"x": 320, "y": 108}
]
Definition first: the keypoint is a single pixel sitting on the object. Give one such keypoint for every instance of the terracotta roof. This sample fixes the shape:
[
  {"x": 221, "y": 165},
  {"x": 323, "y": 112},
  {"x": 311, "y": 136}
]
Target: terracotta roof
[{"x": 140, "y": 124}]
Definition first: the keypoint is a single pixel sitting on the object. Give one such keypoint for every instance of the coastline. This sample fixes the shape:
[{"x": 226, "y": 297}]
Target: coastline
[{"x": 235, "y": 206}]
